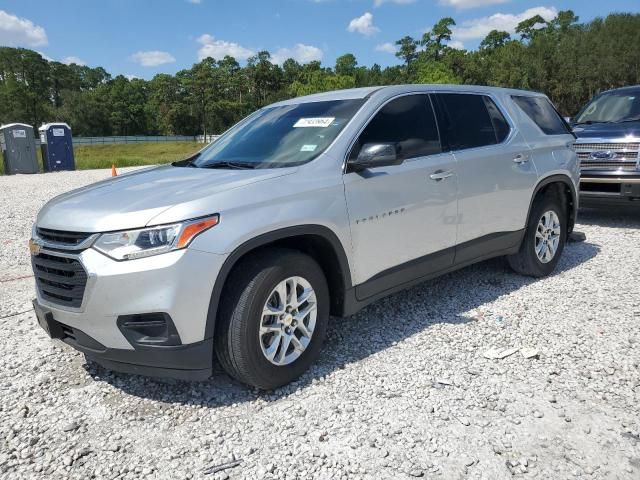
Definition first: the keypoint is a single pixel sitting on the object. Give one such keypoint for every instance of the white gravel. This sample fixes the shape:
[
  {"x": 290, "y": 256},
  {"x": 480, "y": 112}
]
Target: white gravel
[{"x": 401, "y": 390}]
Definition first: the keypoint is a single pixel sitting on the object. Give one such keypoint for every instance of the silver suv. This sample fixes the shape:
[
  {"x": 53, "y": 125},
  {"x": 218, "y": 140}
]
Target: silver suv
[{"x": 307, "y": 208}]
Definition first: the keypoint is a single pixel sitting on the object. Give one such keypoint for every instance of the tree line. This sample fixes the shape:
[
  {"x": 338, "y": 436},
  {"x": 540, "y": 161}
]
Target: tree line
[{"x": 568, "y": 60}]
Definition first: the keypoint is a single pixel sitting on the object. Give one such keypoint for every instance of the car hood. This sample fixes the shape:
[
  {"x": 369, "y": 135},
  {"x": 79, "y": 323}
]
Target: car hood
[
  {"x": 608, "y": 130},
  {"x": 132, "y": 200}
]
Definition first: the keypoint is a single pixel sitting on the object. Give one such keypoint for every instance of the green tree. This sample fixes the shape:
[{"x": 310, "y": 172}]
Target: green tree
[
  {"x": 529, "y": 27},
  {"x": 346, "y": 65},
  {"x": 407, "y": 49},
  {"x": 434, "y": 40},
  {"x": 494, "y": 39}
]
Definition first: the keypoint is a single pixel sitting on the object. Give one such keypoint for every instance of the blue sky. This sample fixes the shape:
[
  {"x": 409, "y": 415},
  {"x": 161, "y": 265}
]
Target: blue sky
[{"x": 145, "y": 37}]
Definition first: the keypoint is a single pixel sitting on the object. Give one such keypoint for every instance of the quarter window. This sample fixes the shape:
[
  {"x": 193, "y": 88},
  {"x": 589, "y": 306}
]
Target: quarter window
[
  {"x": 500, "y": 124},
  {"x": 409, "y": 123},
  {"x": 540, "y": 110},
  {"x": 470, "y": 121}
]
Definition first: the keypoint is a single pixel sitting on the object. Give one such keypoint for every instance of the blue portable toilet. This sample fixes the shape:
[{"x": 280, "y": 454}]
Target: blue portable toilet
[{"x": 57, "y": 147}]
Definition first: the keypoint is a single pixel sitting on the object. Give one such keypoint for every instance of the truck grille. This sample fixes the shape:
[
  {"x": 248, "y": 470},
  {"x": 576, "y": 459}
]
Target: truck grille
[
  {"x": 67, "y": 239},
  {"x": 60, "y": 280},
  {"x": 625, "y": 156}
]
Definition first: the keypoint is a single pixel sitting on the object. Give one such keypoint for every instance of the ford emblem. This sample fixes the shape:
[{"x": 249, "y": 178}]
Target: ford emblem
[{"x": 603, "y": 155}]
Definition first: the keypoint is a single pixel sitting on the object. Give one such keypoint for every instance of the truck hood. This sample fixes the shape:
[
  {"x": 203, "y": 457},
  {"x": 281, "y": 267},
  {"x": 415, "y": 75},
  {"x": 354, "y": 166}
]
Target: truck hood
[
  {"x": 608, "y": 130},
  {"x": 133, "y": 200}
]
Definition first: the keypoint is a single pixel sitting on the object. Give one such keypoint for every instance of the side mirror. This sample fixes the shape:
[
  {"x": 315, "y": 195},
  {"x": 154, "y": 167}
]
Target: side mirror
[{"x": 374, "y": 155}]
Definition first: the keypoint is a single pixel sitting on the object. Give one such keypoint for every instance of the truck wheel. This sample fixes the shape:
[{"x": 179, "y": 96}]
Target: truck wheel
[
  {"x": 544, "y": 239},
  {"x": 273, "y": 318}
]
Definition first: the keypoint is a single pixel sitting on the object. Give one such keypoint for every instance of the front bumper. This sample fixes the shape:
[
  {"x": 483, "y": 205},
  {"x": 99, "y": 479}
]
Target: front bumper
[
  {"x": 178, "y": 285},
  {"x": 184, "y": 362},
  {"x": 609, "y": 187}
]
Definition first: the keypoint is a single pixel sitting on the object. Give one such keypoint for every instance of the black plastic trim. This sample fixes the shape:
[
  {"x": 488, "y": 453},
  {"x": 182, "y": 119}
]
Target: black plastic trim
[
  {"x": 193, "y": 361},
  {"x": 559, "y": 178},
  {"x": 433, "y": 265},
  {"x": 405, "y": 272},
  {"x": 263, "y": 240},
  {"x": 130, "y": 326}
]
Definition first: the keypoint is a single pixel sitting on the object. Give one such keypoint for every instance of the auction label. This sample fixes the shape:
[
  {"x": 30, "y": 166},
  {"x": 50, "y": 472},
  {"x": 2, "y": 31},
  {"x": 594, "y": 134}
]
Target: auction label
[{"x": 321, "y": 122}]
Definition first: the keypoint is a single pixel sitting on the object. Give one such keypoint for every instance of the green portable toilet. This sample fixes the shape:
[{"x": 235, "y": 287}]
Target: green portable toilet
[{"x": 18, "y": 148}]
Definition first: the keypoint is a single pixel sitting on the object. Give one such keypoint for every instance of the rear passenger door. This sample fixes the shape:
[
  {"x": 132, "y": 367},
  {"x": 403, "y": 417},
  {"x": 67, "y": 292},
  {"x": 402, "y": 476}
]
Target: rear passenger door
[
  {"x": 495, "y": 174},
  {"x": 399, "y": 214}
]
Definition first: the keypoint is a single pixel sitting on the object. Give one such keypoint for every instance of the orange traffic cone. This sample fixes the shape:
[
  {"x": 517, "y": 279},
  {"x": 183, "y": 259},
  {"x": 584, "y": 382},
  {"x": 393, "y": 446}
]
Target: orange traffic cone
[{"x": 114, "y": 172}]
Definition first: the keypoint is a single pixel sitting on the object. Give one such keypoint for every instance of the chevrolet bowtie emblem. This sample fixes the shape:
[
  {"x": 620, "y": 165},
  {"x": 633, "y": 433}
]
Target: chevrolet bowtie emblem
[{"x": 34, "y": 247}]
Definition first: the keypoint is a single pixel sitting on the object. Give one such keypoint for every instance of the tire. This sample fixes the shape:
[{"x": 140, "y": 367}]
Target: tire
[
  {"x": 526, "y": 261},
  {"x": 240, "y": 345}
]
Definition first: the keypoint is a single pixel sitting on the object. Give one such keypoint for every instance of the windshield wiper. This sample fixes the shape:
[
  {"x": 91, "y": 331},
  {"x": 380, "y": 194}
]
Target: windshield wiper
[
  {"x": 630, "y": 119},
  {"x": 589, "y": 122},
  {"x": 229, "y": 164},
  {"x": 187, "y": 162}
]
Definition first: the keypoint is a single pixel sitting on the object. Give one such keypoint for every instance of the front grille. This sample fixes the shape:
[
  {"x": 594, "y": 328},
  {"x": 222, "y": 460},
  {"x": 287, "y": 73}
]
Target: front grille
[
  {"x": 608, "y": 146},
  {"x": 609, "y": 165},
  {"x": 619, "y": 156},
  {"x": 62, "y": 237},
  {"x": 626, "y": 156},
  {"x": 60, "y": 280}
]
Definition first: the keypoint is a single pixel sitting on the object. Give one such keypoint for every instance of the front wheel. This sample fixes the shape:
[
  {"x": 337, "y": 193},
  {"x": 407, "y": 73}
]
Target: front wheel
[
  {"x": 544, "y": 239},
  {"x": 273, "y": 318}
]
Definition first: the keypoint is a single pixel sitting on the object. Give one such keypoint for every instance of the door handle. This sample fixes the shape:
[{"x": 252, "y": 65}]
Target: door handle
[
  {"x": 440, "y": 175},
  {"x": 520, "y": 158}
]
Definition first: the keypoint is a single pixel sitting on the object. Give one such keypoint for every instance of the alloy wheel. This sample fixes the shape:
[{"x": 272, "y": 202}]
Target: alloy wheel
[
  {"x": 288, "y": 321},
  {"x": 547, "y": 236}
]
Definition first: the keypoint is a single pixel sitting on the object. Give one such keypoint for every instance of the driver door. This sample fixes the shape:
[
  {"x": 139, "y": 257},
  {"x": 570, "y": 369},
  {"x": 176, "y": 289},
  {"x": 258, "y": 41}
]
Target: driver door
[{"x": 403, "y": 217}]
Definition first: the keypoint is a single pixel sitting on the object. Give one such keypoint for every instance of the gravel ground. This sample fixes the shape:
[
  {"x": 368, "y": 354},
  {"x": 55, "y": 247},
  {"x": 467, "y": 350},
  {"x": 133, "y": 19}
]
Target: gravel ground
[{"x": 401, "y": 390}]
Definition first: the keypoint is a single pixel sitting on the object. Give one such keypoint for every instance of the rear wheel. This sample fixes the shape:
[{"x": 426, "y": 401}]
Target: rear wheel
[
  {"x": 273, "y": 319},
  {"x": 544, "y": 239}
]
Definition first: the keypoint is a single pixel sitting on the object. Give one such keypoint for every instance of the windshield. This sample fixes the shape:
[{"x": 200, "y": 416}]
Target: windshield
[
  {"x": 283, "y": 136},
  {"x": 612, "y": 107}
]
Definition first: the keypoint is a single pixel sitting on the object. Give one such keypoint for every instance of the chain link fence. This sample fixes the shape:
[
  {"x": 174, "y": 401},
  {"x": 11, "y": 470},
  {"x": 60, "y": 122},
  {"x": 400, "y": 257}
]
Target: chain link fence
[{"x": 139, "y": 139}]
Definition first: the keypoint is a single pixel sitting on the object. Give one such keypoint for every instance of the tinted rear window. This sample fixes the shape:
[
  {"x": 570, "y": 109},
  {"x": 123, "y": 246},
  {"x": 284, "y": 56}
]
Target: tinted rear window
[
  {"x": 540, "y": 110},
  {"x": 466, "y": 122}
]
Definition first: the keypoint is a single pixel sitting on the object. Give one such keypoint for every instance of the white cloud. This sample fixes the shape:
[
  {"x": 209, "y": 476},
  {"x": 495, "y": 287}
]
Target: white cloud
[
  {"x": 387, "y": 47},
  {"x": 480, "y": 27},
  {"x": 217, "y": 49},
  {"x": 152, "y": 58},
  {"x": 464, "y": 4},
  {"x": 378, "y": 3},
  {"x": 300, "y": 52},
  {"x": 71, "y": 59},
  {"x": 195, "y": 2},
  {"x": 456, "y": 44},
  {"x": 16, "y": 31},
  {"x": 132, "y": 77},
  {"x": 363, "y": 25}
]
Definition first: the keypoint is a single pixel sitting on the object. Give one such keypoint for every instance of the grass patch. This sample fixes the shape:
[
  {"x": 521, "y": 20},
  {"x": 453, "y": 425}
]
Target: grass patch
[
  {"x": 127, "y": 155},
  {"x": 132, "y": 154}
]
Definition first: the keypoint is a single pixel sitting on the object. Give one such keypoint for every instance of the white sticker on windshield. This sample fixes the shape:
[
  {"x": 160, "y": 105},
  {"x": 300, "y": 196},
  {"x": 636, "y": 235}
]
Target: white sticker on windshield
[
  {"x": 321, "y": 122},
  {"x": 308, "y": 148}
]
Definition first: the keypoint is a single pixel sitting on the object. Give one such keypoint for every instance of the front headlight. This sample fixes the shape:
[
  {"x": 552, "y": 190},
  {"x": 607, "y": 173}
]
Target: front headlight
[{"x": 145, "y": 242}]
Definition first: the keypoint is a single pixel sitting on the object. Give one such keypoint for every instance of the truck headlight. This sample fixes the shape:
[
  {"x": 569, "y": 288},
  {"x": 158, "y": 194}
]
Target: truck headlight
[{"x": 145, "y": 242}]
